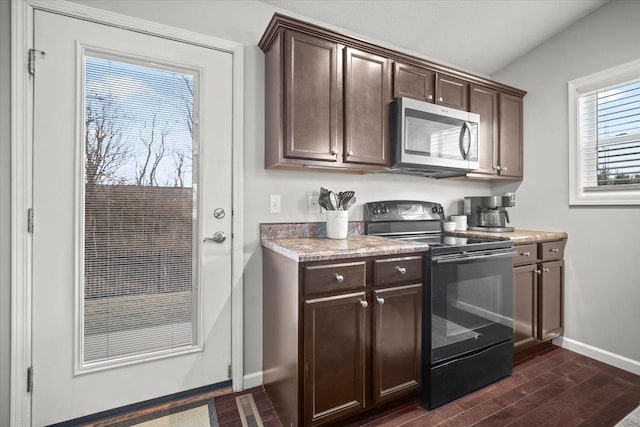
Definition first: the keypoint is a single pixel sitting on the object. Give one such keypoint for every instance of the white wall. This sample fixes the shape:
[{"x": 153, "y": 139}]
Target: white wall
[
  {"x": 244, "y": 22},
  {"x": 602, "y": 303}
]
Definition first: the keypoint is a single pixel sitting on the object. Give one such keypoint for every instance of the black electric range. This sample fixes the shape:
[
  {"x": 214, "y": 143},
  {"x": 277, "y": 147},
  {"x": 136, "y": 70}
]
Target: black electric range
[{"x": 467, "y": 300}]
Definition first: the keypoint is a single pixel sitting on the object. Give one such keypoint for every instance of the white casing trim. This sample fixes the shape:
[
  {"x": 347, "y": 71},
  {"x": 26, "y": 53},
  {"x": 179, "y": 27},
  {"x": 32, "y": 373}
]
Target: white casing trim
[
  {"x": 253, "y": 380},
  {"x": 604, "y": 356},
  {"x": 21, "y": 186}
]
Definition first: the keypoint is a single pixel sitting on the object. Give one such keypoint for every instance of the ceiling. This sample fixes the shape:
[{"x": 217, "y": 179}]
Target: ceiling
[{"x": 482, "y": 36}]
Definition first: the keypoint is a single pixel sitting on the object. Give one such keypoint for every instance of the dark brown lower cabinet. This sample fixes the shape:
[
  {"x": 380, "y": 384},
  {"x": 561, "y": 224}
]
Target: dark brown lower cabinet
[
  {"x": 538, "y": 293},
  {"x": 551, "y": 299},
  {"x": 334, "y": 357},
  {"x": 525, "y": 304},
  {"x": 397, "y": 329},
  {"x": 340, "y": 337}
]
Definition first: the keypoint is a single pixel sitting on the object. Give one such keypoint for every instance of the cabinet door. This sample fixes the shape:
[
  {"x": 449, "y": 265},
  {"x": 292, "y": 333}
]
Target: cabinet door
[
  {"x": 413, "y": 82},
  {"x": 550, "y": 300},
  {"x": 397, "y": 328},
  {"x": 525, "y": 306},
  {"x": 452, "y": 92},
  {"x": 334, "y": 357},
  {"x": 484, "y": 102},
  {"x": 366, "y": 117},
  {"x": 510, "y": 136},
  {"x": 311, "y": 98}
]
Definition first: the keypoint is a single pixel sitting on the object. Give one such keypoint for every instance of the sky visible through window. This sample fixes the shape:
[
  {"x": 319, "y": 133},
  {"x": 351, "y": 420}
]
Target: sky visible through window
[
  {"x": 618, "y": 115},
  {"x": 145, "y": 117}
]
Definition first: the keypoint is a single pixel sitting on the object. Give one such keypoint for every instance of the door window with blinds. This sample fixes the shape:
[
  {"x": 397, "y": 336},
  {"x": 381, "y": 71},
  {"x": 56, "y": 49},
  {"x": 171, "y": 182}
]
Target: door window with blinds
[
  {"x": 605, "y": 137},
  {"x": 139, "y": 287}
]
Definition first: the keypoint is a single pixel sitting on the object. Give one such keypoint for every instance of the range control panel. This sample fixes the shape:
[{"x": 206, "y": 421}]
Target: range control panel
[{"x": 403, "y": 210}]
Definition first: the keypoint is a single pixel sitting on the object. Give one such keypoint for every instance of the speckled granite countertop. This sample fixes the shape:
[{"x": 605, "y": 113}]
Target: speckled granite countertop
[
  {"x": 322, "y": 249},
  {"x": 519, "y": 236},
  {"x": 308, "y": 242}
]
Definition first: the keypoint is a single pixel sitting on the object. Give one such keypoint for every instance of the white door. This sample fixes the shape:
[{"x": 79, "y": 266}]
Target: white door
[{"x": 132, "y": 157}]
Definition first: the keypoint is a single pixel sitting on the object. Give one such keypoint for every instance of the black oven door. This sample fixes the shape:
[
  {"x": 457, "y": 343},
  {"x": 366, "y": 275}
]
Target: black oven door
[{"x": 471, "y": 301}]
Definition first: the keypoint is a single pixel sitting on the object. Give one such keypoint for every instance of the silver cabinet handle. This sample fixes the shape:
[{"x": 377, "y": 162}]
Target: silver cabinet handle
[
  {"x": 430, "y": 97},
  {"x": 440, "y": 99},
  {"x": 339, "y": 278},
  {"x": 401, "y": 270},
  {"x": 545, "y": 270},
  {"x": 498, "y": 168},
  {"x": 218, "y": 237},
  {"x": 525, "y": 253},
  {"x": 380, "y": 300},
  {"x": 537, "y": 271},
  {"x": 554, "y": 250},
  {"x": 364, "y": 304},
  {"x": 349, "y": 153},
  {"x": 504, "y": 168}
]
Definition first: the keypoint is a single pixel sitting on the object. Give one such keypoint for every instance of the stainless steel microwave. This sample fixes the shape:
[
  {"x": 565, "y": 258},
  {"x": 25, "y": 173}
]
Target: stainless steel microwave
[{"x": 433, "y": 140}]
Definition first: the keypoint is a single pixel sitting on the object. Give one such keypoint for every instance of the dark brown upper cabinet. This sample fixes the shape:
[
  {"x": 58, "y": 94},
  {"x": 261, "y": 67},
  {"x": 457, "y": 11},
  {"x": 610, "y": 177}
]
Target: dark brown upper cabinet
[
  {"x": 413, "y": 82},
  {"x": 484, "y": 101},
  {"x": 367, "y": 83},
  {"x": 328, "y": 95},
  {"x": 500, "y": 146},
  {"x": 452, "y": 92},
  {"x": 312, "y": 101},
  {"x": 510, "y": 134}
]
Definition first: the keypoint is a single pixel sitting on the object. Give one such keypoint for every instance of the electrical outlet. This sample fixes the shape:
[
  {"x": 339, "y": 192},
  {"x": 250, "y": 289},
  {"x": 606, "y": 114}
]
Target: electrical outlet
[
  {"x": 312, "y": 203},
  {"x": 275, "y": 204}
]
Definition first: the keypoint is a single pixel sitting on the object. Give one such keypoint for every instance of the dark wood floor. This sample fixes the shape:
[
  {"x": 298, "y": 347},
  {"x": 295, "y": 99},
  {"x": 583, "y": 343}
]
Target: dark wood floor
[{"x": 554, "y": 387}]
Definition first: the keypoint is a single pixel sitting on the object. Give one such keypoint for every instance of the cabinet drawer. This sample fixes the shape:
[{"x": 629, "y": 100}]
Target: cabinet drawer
[
  {"x": 397, "y": 270},
  {"x": 334, "y": 277},
  {"x": 551, "y": 250},
  {"x": 527, "y": 254}
]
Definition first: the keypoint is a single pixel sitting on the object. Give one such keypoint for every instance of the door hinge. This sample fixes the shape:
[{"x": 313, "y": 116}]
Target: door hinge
[
  {"x": 30, "y": 220},
  {"x": 31, "y": 66},
  {"x": 229, "y": 371},
  {"x": 29, "y": 379}
]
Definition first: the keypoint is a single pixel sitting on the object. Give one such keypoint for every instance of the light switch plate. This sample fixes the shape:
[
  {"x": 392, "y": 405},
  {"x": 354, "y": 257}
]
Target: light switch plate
[{"x": 275, "y": 205}]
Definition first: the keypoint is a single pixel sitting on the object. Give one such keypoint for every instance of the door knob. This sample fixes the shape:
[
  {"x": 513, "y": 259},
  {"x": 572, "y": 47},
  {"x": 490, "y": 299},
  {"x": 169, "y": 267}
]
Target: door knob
[
  {"x": 218, "y": 237},
  {"x": 380, "y": 300},
  {"x": 364, "y": 304}
]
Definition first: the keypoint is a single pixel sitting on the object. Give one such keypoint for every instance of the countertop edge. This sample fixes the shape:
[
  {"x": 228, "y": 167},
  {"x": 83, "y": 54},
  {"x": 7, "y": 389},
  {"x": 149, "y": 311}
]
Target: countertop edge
[{"x": 342, "y": 254}]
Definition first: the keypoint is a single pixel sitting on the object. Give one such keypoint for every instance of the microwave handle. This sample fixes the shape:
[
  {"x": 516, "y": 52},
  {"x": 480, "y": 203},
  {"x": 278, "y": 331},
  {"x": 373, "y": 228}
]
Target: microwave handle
[{"x": 465, "y": 131}]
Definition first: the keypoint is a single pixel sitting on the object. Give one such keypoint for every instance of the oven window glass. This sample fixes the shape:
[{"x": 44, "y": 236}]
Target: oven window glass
[{"x": 471, "y": 305}]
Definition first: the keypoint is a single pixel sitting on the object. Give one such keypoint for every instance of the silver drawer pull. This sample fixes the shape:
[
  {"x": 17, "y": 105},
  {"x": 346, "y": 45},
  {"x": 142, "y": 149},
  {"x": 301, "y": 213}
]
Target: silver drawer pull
[
  {"x": 554, "y": 250},
  {"x": 380, "y": 300},
  {"x": 364, "y": 304},
  {"x": 537, "y": 271},
  {"x": 401, "y": 270},
  {"x": 545, "y": 270},
  {"x": 525, "y": 253},
  {"x": 339, "y": 278}
]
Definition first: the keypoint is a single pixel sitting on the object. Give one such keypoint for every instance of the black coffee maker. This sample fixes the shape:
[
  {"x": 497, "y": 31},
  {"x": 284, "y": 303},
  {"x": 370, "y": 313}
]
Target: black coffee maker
[{"x": 488, "y": 213}]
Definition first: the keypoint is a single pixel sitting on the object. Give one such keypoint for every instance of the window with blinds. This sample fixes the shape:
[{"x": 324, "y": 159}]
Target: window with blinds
[
  {"x": 139, "y": 288},
  {"x": 606, "y": 137}
]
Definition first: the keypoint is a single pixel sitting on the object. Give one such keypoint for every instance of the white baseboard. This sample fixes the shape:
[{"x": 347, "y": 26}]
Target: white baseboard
[
  {"x": 252, "y": 380},
  {"x": 604, "y": 356}
]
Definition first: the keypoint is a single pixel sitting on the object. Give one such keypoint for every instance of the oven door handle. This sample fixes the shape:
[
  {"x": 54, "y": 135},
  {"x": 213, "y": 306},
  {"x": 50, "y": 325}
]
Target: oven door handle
[{"x": 464, "y": 259}]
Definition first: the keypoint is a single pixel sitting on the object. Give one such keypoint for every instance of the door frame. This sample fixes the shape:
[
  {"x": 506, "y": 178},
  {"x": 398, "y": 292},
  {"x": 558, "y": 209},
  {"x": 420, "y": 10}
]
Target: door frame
[{"x": 22, "y": 13}]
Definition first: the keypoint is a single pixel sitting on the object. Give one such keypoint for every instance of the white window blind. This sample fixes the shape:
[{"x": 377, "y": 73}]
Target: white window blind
[
  {"x": 610, "y": 135},
  {"x": 605, "y": 137},
  {"x": 139, "y": 282}
]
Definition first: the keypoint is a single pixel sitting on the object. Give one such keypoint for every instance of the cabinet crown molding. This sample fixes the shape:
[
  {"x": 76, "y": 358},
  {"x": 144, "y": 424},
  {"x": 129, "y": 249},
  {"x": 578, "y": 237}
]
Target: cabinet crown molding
[{"x": 281, "y": 22}]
